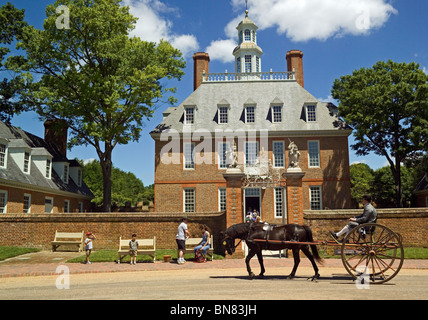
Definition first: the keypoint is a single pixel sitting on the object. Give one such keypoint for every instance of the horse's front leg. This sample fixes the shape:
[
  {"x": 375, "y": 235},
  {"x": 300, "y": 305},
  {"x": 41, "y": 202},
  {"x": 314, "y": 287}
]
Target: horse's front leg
[
  {"x": 262, "y": 267},
  {"x": 251, "y": 254}
]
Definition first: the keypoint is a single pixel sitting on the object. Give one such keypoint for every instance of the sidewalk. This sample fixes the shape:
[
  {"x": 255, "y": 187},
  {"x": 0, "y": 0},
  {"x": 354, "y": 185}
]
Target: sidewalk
[{"x": 45, "y": 263}]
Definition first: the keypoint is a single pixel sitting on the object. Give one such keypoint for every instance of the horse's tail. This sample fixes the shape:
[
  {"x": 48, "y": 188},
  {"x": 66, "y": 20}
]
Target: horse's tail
[{"x": 314, "y": 248}]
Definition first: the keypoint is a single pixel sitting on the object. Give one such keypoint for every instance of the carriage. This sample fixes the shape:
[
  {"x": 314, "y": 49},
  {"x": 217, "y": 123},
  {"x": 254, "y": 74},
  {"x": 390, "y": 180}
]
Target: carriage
[{"x": 370, "y": 251}]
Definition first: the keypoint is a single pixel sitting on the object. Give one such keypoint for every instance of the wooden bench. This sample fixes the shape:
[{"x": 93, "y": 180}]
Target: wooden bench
[
  {"x": 191, "y": 243},
  {"x": 145, "y": 246},
  {"x": 68, "y": 239}
]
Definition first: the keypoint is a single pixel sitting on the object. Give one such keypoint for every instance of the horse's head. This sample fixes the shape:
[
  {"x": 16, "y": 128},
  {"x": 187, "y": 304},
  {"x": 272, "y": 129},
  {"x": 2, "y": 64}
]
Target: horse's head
[{"x": 237, "y": 231}]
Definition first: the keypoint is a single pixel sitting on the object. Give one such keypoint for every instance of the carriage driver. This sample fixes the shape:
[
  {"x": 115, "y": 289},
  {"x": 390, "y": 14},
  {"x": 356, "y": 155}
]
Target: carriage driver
[{"x": 369, "y": 215}]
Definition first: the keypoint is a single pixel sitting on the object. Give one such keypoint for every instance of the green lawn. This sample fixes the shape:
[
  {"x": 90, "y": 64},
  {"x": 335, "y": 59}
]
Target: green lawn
[
  {"x": 111, "y": 256},
  {"x": 10, "y": 252}
]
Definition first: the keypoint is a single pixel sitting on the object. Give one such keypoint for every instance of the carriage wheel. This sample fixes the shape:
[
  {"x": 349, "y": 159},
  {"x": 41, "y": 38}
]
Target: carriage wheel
[{"x": 377, "y": 256}]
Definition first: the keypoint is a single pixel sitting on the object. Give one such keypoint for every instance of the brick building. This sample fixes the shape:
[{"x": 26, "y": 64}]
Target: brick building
[
  {"x": 259, "y": 114},
  {"x": 35, "y": 174}
]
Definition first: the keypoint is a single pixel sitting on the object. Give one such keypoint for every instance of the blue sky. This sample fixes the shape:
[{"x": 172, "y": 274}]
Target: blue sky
[{"x": 336, "y": 37}]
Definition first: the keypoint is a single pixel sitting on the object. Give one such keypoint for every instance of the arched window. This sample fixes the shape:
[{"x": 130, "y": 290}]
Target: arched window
[{"x": 247, "y": 34}]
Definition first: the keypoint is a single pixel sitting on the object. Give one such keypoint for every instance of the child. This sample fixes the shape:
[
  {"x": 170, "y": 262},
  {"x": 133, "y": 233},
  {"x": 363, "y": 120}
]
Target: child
[
  {"x": 133, "y": 248},
  {"x": 88, "y": 245}
]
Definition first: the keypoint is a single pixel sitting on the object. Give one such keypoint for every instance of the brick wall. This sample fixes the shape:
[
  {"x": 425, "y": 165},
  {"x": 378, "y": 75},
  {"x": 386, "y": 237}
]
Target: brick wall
[
  {"x": 411, "y": 223},
  {"x": 38, "y": 230}
]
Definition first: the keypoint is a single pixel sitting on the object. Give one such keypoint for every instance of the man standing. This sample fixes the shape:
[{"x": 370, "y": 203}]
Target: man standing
[
  {"x": 369, "y": 215},
  {"x": 182, "y": 234}
]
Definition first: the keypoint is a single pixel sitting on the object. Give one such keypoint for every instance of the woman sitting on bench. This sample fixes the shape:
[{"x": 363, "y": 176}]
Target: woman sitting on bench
[{"x": 204, "y": 245}]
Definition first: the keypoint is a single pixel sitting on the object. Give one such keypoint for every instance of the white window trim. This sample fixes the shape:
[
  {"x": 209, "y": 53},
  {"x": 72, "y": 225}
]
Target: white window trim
[
  {"x": 283, "y": 203},
  {"x": 52, "y": 199},
  {"x": 227, "y": 114},
  {"x": 282, "y": 113},
  {"x": 318, "y": 152},
  {"x": 246, "y": 117},
  {"x": 310, "y": 197},
  {"x": 5, "y": 154},
  {"x": 50, "y": 169},
  {"x": 29, "y": 202},
  {"x": 185, "y": 115},
  {"x": 5, "y": 200},
  {"x": 307, "y": 114},
  {"x": 219, "y": 198},
  {"x": 29, "y": 163},
  {"x": 273, "y": 153},
  {"x": 184, "y": 199},
  {"x": 193, "y": 156}
]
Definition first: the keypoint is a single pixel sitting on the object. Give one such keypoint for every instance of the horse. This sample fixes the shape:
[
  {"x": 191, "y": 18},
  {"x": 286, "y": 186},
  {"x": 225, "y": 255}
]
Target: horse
[{"x": 248, "y": 232}]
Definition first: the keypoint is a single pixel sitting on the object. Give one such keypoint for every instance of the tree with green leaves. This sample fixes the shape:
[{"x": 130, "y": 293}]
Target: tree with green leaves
[
  {"x": 387, "y": 106},
  {"x": 11, "y": 26},
  {"x": 97, "y": 78},
  {"x": 362, "y": 178}
]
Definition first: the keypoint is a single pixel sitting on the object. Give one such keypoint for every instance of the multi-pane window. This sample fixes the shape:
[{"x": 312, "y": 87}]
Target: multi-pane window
[
  {"x": 314, "y": 153},
  {"x": 222, "y": 115},
  {"x": 48, "y": 168},
  {"x": 278, "y": 154},
  {"x": 315, "y": 197},
  {"x": 48, "y": 205},
  {"x": 80, "y": 206},
  {"x": 67, "y": 206},
  {"x": 65, "y": 177},
  {"x": 223, "y": 161},
  {"x": 277, "y": 113},
  {"x": 311, "y": 113},
  {"x": 79, "y": 177},
  {"x": 26, "y": 162},
  {"x": 2, "y": 155},
  {"x": 250, "y": 116},
  {"x": 257, "y": 64},
  {"x": 3, "y": 201},
  {"x": 248, "y": 63},
  {"x": 189, "y": 115},
  {"x": 27, "y": 203},
  {"x": 247, "y": 34},
  {"x": 279, "y": 202},
  {"x": 222, "y": 199},
  {"x": 238, "y": 65},
  {"x": 189, "y": 200},
  {"x": 251, "y": 153},
  {"x": 189, "y": 155}
]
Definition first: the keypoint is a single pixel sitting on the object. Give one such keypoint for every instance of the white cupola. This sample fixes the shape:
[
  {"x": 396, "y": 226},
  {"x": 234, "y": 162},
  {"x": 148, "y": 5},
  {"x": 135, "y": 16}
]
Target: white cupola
[{"x": 247, "y": 53}]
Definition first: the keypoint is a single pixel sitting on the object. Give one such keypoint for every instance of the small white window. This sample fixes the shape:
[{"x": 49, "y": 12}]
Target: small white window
[
  {"x": 221, "y": 199},
  {"x": 278, "y": 154},
  {"x": 189, "y": 155},
  {"x": 248, "y": 63},
  {"x": 26, "y": 162},
  {"x": 3, "y": 201},
  {"x": 65, "y": 177},
  {"x": 250, "y": 114},
  {"x": 314, "y": 153},
  {"x": 311, "y": 113},
  {"x": 223, "y": 115},
  {"x": 279, "y": 202},
  {"x": 276, "y": 114},
  {"x": 315, "y": 197},
  {"x": 3, "y": 155},
  {"x": 48, "y": 205},
  {"x": 27, "y": 203},
  {"x": 189, "y": 200},
  {"x": 189, "y": 115}
]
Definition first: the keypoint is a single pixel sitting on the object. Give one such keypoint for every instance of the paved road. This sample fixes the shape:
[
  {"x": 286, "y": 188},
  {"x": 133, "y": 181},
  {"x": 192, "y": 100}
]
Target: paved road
[{"x": 219, "y": 284}]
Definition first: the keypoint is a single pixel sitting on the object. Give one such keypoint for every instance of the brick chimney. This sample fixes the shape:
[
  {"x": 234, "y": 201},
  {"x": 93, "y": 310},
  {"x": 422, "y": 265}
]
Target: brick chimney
[
  {"x": 201, "y": 63},
  {"x": 56, "y": 134},
  {"x": 295, "y": 62}
]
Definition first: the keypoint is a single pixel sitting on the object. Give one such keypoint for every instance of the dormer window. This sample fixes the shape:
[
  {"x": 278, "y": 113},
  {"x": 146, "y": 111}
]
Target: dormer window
[
  {"x": 276, "y": 114},
  {"x": 311, "y": 113},
  {"x": 48, "y": 168},
  {"x": 250, "y": 114},
  {"x": 3, "y": 155},
  {"x": 189, "y": 115},
  {"x": 27, "y": 162},
  {"x": 223, "y": 115},
  {"x": 65, "y": 175}
]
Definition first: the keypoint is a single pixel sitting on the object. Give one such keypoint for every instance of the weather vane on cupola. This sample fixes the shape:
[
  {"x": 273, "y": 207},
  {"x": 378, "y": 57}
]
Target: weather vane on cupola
[{"x": 246, "y": 8}]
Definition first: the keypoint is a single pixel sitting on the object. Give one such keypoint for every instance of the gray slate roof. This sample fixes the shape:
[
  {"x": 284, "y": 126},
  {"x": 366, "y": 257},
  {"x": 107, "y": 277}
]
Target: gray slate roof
[
  {"x": 13, "y": 173},
  {"x": 209, "y": 95}
]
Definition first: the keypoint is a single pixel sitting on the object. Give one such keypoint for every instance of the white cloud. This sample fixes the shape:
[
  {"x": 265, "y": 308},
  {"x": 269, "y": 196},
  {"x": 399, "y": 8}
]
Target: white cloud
[
  {"x": 152, "y": 26},
  {"x": 303, "y": 20},
  {"x": 222, "y": 50}
]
